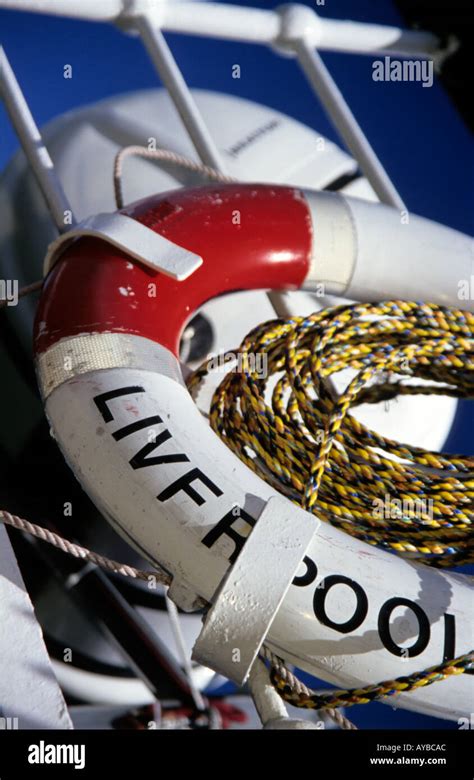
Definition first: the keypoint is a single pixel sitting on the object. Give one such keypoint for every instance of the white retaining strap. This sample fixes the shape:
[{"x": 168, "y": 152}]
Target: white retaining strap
[
  {"x": 138, "y": 240},
  {"x": 237, "y": 623}
]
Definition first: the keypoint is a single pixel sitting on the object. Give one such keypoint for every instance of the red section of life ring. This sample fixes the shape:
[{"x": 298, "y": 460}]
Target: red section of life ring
[{"x": 249, "y": 236}]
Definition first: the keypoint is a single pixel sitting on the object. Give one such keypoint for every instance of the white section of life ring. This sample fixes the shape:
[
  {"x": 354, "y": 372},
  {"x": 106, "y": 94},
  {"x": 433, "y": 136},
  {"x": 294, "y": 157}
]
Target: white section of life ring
[{"x": 353, "y": 620}]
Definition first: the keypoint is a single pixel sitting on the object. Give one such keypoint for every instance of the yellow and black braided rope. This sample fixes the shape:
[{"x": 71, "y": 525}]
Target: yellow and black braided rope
[
  {"x": 291, "y": 427},
  {"x": 332, "y": 699}
]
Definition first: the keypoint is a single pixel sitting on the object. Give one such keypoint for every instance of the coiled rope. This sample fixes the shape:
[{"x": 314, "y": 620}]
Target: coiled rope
[{"x": 291, "y": 428}]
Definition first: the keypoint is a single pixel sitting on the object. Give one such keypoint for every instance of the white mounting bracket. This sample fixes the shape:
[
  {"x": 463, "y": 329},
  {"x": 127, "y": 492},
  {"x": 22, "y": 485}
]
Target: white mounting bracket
[
  {"x": 237, "y": 623},
  {"x": 139, "y": 241},
  {"x": 269, "y": 705}
]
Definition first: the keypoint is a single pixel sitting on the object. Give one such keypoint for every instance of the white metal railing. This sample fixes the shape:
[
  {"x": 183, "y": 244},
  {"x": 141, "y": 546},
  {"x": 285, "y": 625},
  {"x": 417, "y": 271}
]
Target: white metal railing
[
  {"x": 33, "y": 146},
  {"x": 238, "y": 23},
  {"x": 295, "y": 29}
]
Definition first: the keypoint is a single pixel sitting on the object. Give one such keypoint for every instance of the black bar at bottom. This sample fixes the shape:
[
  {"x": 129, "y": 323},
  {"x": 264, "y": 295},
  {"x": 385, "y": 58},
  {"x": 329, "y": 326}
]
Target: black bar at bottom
[{"x": 131, "y": 753}]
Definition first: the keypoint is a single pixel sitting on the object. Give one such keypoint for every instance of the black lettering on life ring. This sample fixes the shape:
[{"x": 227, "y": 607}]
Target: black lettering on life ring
[
  {"x": 449, "y": 649},
  {"x": 310, "y": 574},
  {"x": 424, "y": 631},
  {"x": 225, "y": 528},
  {"x": 101, "y": 401},
  {"x": 184, "y": 483},
  {"x": 319, "y": 603},
  {"x": 142, "y": 459}
]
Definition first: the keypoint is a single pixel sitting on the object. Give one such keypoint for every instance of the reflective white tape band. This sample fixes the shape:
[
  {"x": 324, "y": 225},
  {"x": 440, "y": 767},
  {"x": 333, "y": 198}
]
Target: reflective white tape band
[
  {"x": 77, "y": 355},
  {"x": 334, "y": 250},
  {"x": 238, "y": 622},
  {"x": 138, "y": 240}
]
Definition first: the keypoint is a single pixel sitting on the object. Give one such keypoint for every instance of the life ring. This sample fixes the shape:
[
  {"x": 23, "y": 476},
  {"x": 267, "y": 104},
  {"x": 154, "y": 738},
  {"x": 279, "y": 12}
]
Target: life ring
[{"x": 106, "y": 344}]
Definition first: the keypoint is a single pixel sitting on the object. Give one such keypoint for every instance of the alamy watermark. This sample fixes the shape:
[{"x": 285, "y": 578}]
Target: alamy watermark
[
  {"x": 389, "y": 508},
  {"x": 9, "y": 291},
  {"x": 390, "y": 69},
  {"x": 8, "y": 724},
  {"x": 466, "y": 289},
  {"x": 45, "y": 753},
  {"x": 240, "y": 362}
]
